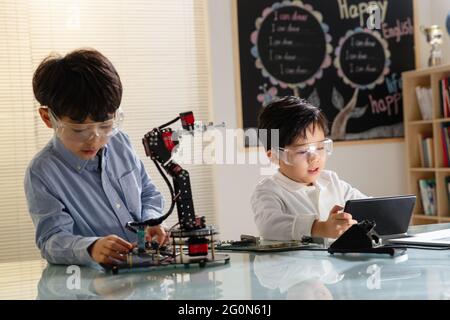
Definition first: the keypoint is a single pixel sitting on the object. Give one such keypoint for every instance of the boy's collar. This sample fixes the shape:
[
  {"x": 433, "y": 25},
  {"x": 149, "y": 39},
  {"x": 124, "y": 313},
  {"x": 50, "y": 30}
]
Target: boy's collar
[
  {"x": 294, "y": 186},
  {"x": 76, "y": 163}
]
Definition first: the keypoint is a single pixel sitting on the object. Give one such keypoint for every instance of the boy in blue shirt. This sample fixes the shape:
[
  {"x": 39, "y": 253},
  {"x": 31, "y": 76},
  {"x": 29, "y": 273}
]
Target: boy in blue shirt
[{"x": 87, "y": 182}]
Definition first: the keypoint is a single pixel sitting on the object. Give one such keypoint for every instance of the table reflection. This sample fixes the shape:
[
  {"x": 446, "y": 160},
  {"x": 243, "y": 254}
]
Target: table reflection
[
  {"x": 296, "y": 277},
  {"x": 59, "y": 282}
]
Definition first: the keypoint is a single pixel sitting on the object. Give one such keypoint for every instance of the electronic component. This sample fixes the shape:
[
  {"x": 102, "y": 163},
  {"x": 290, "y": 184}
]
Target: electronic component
[{"x": 192, "y": 231}]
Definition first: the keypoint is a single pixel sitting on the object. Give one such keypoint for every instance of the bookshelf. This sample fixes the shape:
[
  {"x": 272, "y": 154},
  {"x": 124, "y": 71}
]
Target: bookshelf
[{"x": 415, "y": 126}]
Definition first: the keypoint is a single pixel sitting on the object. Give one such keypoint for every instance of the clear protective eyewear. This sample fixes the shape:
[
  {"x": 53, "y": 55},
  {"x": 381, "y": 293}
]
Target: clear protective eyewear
[
  {"x": 82, "y": 132},
  {"x": 293, "y": 156}
]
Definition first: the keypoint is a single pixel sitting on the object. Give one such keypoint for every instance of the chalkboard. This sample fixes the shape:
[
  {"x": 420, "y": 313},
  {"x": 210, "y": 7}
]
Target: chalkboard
[{"x": 338, "y": 54}]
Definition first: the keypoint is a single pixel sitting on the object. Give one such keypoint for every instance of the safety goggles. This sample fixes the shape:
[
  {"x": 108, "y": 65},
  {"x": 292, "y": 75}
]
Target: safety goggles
[
  {"x": 293, "y": 156},
  {"x": 82, "y": 132}
]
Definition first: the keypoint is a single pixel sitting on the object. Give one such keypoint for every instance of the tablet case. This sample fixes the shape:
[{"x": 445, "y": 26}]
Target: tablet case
[{"x": 392, "y": 215}]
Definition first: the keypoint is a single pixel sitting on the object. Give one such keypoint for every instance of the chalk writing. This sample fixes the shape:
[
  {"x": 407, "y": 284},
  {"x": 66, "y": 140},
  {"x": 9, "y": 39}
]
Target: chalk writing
[{"x": 359, "y": 10}]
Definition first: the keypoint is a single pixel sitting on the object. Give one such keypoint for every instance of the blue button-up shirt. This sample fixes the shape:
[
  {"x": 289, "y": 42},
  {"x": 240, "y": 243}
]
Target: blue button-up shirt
[{"x": 74, "y": 202}]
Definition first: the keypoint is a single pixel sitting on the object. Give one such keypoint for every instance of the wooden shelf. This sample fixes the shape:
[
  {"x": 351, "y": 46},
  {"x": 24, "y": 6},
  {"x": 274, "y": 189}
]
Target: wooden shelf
[
  {"x": 415, "y": 125},
  {"x": 420, "y": 169},
  {"x": 424, "y": 122},
  {"x": 442, "y": 120},
  {"x": 419, "y": 122},
  {"x": 425, "y": 217}
]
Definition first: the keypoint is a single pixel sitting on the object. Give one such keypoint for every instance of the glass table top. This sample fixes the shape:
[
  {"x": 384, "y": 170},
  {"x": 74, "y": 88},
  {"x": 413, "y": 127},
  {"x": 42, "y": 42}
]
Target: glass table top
[{"x": 417, "y": 274}]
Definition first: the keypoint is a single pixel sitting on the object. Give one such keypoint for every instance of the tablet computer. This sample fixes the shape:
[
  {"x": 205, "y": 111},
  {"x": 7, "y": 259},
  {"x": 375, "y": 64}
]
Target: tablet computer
[{"x": 392, "y": 215}]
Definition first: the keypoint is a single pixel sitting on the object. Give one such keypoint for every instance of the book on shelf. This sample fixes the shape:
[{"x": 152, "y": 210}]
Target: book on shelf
[
  {"x": 447, "y": 187},
  {"x": 424, "y": 100},
  {"x": 445, "y": 139},
  {"x": 430, "y": 152},
  {"x": 427, "y": 189},
  {"x": 444, "y": 97},
  {"x": 421, "y": 156},
  {"x": 426, "y": 151}
]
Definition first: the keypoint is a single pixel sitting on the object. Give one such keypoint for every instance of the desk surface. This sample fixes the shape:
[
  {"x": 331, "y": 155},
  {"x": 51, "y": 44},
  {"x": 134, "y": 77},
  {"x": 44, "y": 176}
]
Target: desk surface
[{"x": 419, "y": 274}]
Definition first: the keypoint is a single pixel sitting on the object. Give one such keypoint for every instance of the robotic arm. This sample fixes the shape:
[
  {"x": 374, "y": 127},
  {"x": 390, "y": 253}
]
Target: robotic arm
[{"x": 159, "y": 145}]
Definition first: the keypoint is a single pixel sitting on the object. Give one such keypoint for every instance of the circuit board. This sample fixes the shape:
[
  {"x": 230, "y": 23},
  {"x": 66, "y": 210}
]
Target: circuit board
[
  {"x": 155, "y": 259},
  {"x": 267, "y": 246}
]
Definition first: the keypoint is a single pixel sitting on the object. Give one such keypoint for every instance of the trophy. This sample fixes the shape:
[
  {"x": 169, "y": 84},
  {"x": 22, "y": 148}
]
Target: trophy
[{"x": 434, "y": 38}]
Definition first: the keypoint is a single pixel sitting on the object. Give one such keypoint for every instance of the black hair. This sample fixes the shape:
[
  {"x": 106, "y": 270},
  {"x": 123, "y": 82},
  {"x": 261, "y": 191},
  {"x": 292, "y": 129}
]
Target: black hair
[
  {"x": 291, "y": 116},
  {"x": 82, "y": 84}
]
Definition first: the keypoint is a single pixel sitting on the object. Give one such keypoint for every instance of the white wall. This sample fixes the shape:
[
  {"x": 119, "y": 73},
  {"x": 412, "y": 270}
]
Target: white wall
[
  {"x": 376, "y": 169},
  {"x": 423, "y": 8},
  {"x": 433, "y": 12},
  {"x": 438, "y": 14}
]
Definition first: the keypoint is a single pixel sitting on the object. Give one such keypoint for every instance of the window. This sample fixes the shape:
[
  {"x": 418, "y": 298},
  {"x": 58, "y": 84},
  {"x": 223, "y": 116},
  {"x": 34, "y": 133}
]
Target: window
[{"x": 160, "y": 49}]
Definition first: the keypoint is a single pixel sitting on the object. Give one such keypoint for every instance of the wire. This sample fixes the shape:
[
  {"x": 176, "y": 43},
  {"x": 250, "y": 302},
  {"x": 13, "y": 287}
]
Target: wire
[
  {"x": 394, "y": 247},
  {"x": 172, "y": 194},
  {"x": 159, "y": 220},
  {"x": 385, "y": 246},
  {"x": 416, "y": 247},
  {"x": 169, "y": 123}
]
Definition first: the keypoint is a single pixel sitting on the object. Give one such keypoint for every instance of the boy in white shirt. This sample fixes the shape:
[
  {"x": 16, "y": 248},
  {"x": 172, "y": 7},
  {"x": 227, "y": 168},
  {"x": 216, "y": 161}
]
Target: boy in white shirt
[{"x": 301, "y": 199}]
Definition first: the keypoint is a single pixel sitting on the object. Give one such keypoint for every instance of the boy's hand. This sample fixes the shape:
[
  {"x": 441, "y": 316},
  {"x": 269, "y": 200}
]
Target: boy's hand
[
  {"x": 336, "y": 224},
  {"x": 159, "y": 233},
  {"x": 108, "y": 248}
]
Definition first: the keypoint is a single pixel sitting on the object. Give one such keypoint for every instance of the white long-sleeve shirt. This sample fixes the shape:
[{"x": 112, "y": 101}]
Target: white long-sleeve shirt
[{"x": 285, "y": 209}]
